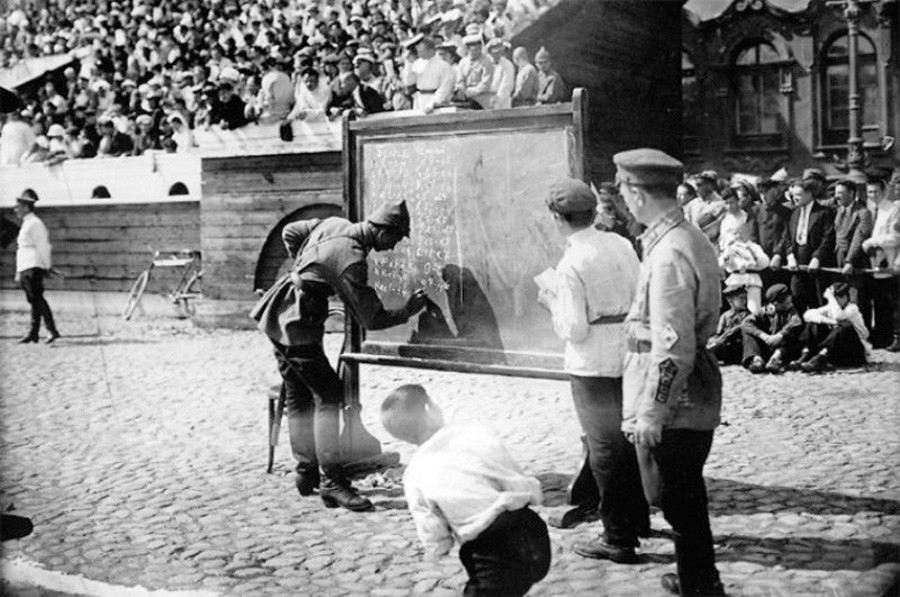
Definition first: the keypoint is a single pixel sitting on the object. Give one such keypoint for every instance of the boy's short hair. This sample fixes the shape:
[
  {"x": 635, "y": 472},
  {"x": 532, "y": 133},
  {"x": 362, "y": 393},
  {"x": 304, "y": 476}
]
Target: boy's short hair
[
  {"x": 405, "y": 411},
  {"x": 841, "y": 289}
]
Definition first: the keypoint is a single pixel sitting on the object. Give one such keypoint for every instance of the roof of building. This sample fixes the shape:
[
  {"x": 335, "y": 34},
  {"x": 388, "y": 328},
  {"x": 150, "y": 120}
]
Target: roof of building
[{"x": 707, "y": 10}]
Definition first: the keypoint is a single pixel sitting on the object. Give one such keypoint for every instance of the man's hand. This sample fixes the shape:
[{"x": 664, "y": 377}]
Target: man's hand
[
  {"x": 775, "y": 263},
  {"x": 775, "y": 339},
  {"x": 18, "y": 277},
  {"x": 846, "y": 269},
  {"x": 647, "y": 434},
  {"x": 416, "y": 302},
  {"x": 791, "y": 261},
  {"x": 814, "y": 264}
]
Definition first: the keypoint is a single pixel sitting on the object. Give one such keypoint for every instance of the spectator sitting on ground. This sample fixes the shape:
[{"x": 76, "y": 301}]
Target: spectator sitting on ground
[
  {"x": 727, "y": 343},
  {"x": 771, "y": 337},
  {"x": 835, "y": 334},
  {"x": 462, "y": 484}
]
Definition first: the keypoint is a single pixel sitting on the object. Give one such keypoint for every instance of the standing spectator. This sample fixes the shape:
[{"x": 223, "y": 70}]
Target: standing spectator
[
  {"x": 113, "y": 143},
  {"x": 736, "y": 223},
  {"x": 707, "y": 210},
  {"x": 588, "y": 314},
  {"x": 883, "y": 248},
  {"x": 342, "y": 87},
  {"x": 551, "y": 87},
  {"x": 504, "y": 78},
  {"x": 526, "y": 89},
  {"x": 276, "y": 94},
  {"x": 476, "y": 73},
  {"x": 685, "y": 194},
  {"x": 229, "y": 111},
  {"x": 772, "y": 222},
  {"x": 853, "y": 225},
  {"x": 818, "y": 186},
  {"x": 32, "y": 265},
  {"x": 367, "y": 95},
  {"x": 433, "y": 77},
  {"x": 810, "y": 244},
  {"x": 311, "y": 95},
  {"x": 672, "y": 383},
  {"x": 16, "y": 139}
]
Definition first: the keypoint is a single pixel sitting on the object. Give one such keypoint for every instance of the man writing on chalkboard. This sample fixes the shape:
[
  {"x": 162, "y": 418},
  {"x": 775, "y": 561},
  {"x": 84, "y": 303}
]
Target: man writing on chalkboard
[
  {"x": 589, "y": 295},
  {"x": 329, "y": 258}
]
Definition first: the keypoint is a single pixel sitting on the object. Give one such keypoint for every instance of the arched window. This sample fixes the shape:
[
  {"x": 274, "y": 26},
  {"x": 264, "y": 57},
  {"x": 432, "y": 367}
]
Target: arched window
[
  {"x": 836, "y": 90},
  {"x": 690, "y": 103},
  {"x": 756, "y": 89}
]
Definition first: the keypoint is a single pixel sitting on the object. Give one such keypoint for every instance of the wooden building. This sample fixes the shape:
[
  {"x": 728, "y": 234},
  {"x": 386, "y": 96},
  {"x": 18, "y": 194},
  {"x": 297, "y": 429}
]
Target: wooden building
[{"x": 766, "y": 84}]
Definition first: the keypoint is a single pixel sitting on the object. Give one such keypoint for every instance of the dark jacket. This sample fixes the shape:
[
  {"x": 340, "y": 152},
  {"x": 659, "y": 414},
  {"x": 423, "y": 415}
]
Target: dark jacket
[
  {"x": 770, "y": 321},
  {"x": 852, "y": 225},
  {"x": 772, "y": 226},
  {"x": 230, "y": 114},
  {"x": 819, "y": 236}
]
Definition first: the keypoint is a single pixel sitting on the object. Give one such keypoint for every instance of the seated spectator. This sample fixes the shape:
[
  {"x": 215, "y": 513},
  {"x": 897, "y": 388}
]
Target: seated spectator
[
  {"x": 113, "y": 143},
  {"x": 835, "y": 334},
  {"x": 461, "y": 484},
  {"x": 228, "y": 112},
  {"x": 771, "y": 337},
  {"x": 526, "y": 88},
  {"x": 727, "y": 342},
  {"x": 552, "y": 88}
]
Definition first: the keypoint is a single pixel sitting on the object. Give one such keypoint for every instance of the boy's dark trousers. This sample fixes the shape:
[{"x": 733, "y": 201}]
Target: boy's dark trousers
[
  {"x": 32, "y": 282},
  {"x": 730, "y": 350},
  {"x": 508, "y": 557},
  {"x": 753, "y": 347},
  {"x": 844, "y": 346}
]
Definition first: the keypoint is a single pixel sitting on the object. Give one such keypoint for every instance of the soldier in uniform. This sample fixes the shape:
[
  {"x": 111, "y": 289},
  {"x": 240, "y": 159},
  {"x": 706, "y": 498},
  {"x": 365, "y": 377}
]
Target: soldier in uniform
[
  {"x": 329, "y": 258},
  {"x": 672, "y": 384}
]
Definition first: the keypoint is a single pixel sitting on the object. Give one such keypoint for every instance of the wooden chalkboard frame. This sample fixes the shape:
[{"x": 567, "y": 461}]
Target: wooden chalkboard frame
[{"x": 356, "y": 133}]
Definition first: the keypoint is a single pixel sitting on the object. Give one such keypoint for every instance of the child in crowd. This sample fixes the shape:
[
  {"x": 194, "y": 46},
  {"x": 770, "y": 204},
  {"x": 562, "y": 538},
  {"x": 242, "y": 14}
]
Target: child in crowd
[
  {"x": 726, "y": 342},
  {"x": 462, "y": 484},
  {"x": 834, "y": 335},
  {"x": 771, "y": 337}
]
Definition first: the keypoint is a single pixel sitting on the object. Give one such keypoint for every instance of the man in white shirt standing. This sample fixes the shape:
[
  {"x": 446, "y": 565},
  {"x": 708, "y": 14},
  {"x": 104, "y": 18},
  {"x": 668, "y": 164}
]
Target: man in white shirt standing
[
  {"x": 32, "y": 265},
  {"x": 595, "y": 285},
  {"x": 883, "y": 248},
  {"x": 504, "y": 74},
  {"x": 433, "y": 77}
]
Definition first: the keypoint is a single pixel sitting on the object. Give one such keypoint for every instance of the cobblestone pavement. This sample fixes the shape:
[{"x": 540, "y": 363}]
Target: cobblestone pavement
[{"x": 138, "y": 450}]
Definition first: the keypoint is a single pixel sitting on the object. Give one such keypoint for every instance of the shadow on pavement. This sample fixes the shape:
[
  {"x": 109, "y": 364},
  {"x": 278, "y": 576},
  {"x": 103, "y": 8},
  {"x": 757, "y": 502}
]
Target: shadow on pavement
[
  {"x": 98, "y": 341},
  {"x": 806, "y": 553},
  {"x": 729, "y": 497}
]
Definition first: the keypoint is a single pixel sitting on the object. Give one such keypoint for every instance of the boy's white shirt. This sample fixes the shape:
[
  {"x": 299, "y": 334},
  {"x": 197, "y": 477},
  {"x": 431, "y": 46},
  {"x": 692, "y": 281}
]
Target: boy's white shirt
[
  {"x": 459, "y": 481},
  {"x": 831, "y": 313}
]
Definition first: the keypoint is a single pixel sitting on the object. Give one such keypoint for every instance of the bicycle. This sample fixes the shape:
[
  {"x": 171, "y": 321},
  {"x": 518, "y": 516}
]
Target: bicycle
[{"x": 187, "y": 289}]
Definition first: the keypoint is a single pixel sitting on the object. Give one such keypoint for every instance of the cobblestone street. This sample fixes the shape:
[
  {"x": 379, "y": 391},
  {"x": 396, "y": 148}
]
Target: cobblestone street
[{"x": 138, "y": 449}]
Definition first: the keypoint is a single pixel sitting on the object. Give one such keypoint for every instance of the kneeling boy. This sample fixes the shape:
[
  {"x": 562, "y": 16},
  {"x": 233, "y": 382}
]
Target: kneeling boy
[{"x": 461, "y": 483}]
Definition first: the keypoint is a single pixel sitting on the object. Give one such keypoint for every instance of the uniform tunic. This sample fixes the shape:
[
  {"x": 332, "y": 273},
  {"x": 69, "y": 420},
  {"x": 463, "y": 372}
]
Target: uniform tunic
[{"x": 670, "y": 377}]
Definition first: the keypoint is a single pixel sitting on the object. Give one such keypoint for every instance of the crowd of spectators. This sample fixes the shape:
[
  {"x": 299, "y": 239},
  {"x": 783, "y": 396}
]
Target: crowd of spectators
[
  {"x": 146, "y": 73},
  {"x": 807, "y": 259}
]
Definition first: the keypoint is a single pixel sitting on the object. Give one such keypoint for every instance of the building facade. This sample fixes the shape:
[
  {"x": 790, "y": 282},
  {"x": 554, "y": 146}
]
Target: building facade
[{"x": 765, "y": 85}]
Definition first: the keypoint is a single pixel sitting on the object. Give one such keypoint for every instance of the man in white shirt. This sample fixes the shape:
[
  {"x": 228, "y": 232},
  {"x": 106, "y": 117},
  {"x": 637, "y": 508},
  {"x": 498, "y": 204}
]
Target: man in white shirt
[
  {"x": 32, "y": 265},
  {"x": 595, "y": 285},
  {"x": 276, "y": 93},
  {"x": 883, "y": 248},
  {"x": 835, "y": 333},
  {"x": 462, "y": 483},
  {"x": 310, "y": 95},
  {"x": 16, "y": 138},
  {"x": 476, "y": 73},
  {"x": 504, "y": 74},
  {"x": 433, "y": 77}
]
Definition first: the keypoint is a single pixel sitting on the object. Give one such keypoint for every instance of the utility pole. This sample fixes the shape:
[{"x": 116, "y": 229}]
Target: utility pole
[{"x": 855, "y": 148}]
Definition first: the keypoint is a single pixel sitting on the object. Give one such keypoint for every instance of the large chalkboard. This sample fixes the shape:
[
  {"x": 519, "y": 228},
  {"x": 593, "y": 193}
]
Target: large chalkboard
[{"x": 475, "y": 185}]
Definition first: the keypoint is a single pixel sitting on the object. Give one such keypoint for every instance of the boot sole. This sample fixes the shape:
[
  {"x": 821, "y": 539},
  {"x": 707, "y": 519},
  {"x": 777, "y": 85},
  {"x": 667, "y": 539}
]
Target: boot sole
[{"x": 333, "y": 503}]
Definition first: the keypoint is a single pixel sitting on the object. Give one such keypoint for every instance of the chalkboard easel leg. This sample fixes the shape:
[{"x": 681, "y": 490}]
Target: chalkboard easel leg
[{"x": 356, "y": 442}]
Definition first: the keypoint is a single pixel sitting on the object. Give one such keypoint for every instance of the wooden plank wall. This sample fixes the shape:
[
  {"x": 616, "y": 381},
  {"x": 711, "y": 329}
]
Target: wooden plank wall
[
  {"x": 244, "y": 199},
  {"x": 627, "y": 55},
  {"x": 105, "y": 247}
]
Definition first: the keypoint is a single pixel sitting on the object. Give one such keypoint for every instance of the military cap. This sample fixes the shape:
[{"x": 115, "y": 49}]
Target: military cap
[
  {"x": 542, "y": 54},
  {"x": 776, "y": 292},
  {"x": 570, "y": 195},
  {"x": 734, "y": 289},
  {"x": 391, "y": 215},
  {"x": 647, "y": 166}
]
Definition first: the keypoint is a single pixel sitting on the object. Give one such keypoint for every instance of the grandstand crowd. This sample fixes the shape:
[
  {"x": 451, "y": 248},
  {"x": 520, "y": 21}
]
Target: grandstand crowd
[
  {"x": 810, "y": 267},
  {"x": 146, "y": 73}
]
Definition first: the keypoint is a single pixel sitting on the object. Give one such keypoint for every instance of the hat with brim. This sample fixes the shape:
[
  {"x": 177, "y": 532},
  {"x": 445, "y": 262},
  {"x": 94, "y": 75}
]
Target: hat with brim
[
  {"x": 647, "y": 166},
  {"x": 364, "y": 57},
  {"x": 494, "y": 44},
  {"x": 473, "y": 40},
  {"x": 28, "y": 197},
  {"x": 391, "y": 215},
  {"x": 708, "y": 176},
  {"x": 56, "y": 130},
  {"x": 734, "y": 290},
  {"x": 413, "y": 40}
]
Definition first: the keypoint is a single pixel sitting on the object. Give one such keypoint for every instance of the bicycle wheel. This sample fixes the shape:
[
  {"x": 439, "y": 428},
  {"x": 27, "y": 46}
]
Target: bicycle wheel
[
  {"x": 134, "y": 297},
  {"x": 183, "y": 301}
]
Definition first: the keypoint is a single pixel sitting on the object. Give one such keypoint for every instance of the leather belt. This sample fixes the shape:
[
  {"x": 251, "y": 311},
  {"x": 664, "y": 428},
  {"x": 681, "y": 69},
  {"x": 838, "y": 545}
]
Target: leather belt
[{"x": 605, "y": 319}]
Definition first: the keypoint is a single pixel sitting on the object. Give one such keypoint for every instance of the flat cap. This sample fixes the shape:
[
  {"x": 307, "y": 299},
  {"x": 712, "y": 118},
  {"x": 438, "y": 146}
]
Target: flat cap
[
  {"x": 734, "y": 289},
  {"x": 709, "y": 175},
  {"x": 391, "y": 215},
  {"x": 813, "y": 173},
  {"x": 776, "y": 292},
  {"x": 570, "y": 195},
  {"x": 647, "y": 166}
]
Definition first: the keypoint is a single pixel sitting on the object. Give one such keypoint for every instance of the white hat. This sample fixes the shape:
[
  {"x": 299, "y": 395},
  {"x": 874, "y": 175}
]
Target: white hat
[
  {"x": 56, "y": 130},
  {"x": 473, "y": 39},
  {"x": 229, "y": 73}
]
